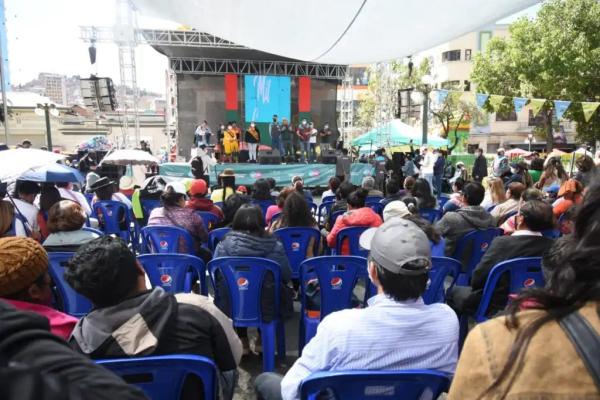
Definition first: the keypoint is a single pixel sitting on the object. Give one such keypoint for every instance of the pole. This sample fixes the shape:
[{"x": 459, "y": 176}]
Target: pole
[
  {"x": 425, "y": 114},
  {"x": 4, "y": 98},
  {"x": 48, "y": 132}
]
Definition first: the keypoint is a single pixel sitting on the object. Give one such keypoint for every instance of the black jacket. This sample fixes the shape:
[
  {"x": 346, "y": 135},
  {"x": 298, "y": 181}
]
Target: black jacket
[
  {"x": 480, "y": 168},
  {"x": 166, "y": 326},
  {"x": 26, "y": 342}
]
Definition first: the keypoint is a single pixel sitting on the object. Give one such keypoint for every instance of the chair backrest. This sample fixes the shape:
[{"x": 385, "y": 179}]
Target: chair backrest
[
  {"x": 443, "y": 200},
  {"x": 275, "y": 216},
  {"x": 438, "y": 249},
  {"x": 477, "y": 242},
  {"x": 314, "y": 208},
  {"x": 165, "y": 239},
  {"x": 209, "y": 219},
  {"x": 296, "y": 242},
  {"x": 215, "y": 236},
  {"x": 441, "y": 268},
  {"x": 377, "y": 385},
  {"x": 264, "y": 205},
  {"x": 337, "y": 277},
  {"x": 93, "y": 230},
  {"x": 375, "y": 206},
  {"x": 352, "y": 235},
  {"x": 148, "y": 205},
  {"x": 244, "y": 277},
  {"x": 162, "y": 377},
  {"x": 490, "y": 208},
  {"x": 334, "y": 216},
  {"x": 327, "y": 198},
  {"x": 114, "y": 218},
  {"x": 551, "y": 233},
  {"x": 430, "y": 214},
  {"x": 72, "y": 302},
  {"x": 170, "y": 271},
  {"x": 524, "y": 273},
  {"x": 324, "y": 210},
  {"x": 373, "y": 199}
]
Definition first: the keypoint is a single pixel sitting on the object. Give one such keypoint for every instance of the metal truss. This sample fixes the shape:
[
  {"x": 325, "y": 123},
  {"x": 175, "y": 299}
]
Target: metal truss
[{"x": 211, "y": 66}]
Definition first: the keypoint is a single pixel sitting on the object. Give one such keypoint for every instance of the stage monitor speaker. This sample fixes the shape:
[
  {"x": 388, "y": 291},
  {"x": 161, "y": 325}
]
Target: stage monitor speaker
[
  {"x": 243, "y": 156},
  {"x": 269, "y": 157},
  {"x": 328, "y": 157}
]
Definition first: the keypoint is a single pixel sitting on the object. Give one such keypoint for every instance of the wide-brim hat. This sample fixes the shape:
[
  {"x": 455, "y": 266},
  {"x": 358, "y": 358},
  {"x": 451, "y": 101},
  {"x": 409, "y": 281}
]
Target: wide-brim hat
[
  {"x": 126, "y": 182},
  {"x": 101, "y": 183},
  {"x": 227, "y": 172}
]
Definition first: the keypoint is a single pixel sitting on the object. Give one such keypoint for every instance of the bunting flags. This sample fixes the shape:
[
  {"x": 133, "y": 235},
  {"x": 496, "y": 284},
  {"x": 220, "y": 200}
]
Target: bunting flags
[
  {"x": 560, "y": 106},
  {"x": 536, "y": 105},
  {"x": 442, "y": 94},
  {"x": 496, "y": 100},
  {"x": 519, "y": 103},
  {"x": 480, "y": 99},
  {"x": 589, "y": 108}
]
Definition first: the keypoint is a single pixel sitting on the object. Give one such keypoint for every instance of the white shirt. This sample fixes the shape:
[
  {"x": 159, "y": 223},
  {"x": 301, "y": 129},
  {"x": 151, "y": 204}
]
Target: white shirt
[
  {"x": 327, "y": 193},
  {"x": 388, "y": 335},
  {"x": 77, "y": 197},
  {"x": 313, "y": 136},
  {"x": 427, "y": 164},
  {"x": 30, "y": 213},
  {"x": 525, "y": 232}
]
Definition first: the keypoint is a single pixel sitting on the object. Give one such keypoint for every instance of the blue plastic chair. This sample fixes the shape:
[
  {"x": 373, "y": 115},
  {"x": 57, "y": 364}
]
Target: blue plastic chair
[
  {"x": 375, "y": 206},
  {"x": 524, "y": 273},
  {"x": 439, "y": 249},
  {"x": 441, "y": 268},
  {"x": 376, "y": 385},
  {"x": 333, "y": 217},
  {"x": 324, "y": 210},
  {"x": 443, "y": 200},
  {"x": 149, "y": 205},
  {"x": 327, "y": 198},
  {"x": 275, "y": 217},
  {"x": 109, "y": 215},
  {"x": 490, "y": 208},
  {"x": 551, "y": 233},
  {"x": 430, "y": 214},
  {"x": 165, "y": 239},
  {"x": 314, "y": 208},
  {"x": 264, "y": 205},
  {"x": 373, "y": 199},
  {"x": 244, "y": 277},
  {"x": 295, "y": 241},
  {"x": 215, "y": 236},
  {"x": 72, "y": 302},
  {"x": 352, "y": 236},
  {"x": 337, "y": 276},
  {"x": 162, "y": 377},
  {"x": 171, "y": 271},
  {"x": 93, "y": 230},
  {"x": 209, "y": 219},
  {"x": 477, "y": 242}
]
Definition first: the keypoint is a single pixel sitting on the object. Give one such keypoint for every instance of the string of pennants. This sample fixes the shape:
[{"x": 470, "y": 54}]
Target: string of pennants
[{"x": 560, "y": 106}]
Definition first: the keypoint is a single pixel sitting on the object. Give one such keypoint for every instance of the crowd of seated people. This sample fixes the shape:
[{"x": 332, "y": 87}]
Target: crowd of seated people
[{"x": 504, "y": 357}]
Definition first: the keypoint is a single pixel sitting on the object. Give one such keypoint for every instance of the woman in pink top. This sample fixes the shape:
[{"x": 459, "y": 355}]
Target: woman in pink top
[
  {"x": 25, "y": 283},
  {"x": 277, "y": 208}
]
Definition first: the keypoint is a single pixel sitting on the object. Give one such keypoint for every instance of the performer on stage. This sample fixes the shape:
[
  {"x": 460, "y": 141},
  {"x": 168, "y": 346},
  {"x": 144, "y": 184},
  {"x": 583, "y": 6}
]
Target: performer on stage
[
  {"x": 326, "y": 136},
  {"x": 286, "y": 137},
  {"x": 275, "y": 132},
  {"x": 230, "y": 144},
  {"x": 313, "y": 142},
  {"x": 252, "y": 137},
  {"x": 303, "y": 134},
  {"x": 219, "y": 146}
]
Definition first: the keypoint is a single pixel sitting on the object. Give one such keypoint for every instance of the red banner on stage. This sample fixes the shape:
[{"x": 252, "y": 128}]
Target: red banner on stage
[
  {"x": 231, "y": 92},
  {"x": 304, "y": 94}
]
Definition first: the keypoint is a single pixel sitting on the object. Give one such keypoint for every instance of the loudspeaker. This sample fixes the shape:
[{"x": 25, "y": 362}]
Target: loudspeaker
[
  {"x": 269, "y": 157},
  {"x": 398, "y": 162},
  {"x": 328, "y": 157},
  {"x": 243, "y": 156}
]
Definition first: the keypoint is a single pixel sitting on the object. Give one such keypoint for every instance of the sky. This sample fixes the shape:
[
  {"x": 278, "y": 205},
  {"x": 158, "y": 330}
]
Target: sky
[{"x": 43, "y": 36}]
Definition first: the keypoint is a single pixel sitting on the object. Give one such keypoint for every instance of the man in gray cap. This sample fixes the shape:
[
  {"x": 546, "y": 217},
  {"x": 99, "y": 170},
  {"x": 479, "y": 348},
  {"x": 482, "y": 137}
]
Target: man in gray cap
[{"x": 397, "y": 331}]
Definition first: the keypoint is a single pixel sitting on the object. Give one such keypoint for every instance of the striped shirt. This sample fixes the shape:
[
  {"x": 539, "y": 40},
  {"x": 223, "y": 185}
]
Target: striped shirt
[{"x": 388, "y": 335}]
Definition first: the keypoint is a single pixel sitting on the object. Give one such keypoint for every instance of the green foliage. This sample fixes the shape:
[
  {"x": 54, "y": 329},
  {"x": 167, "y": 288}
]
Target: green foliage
[{"x": 556, "y": 56}]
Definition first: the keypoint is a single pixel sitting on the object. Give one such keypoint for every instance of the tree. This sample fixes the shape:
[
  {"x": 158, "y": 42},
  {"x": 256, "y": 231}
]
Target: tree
[{"x": 556, "y": 56}]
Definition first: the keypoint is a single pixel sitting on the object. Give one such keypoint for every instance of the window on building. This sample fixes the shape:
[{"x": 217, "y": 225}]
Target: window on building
[
  {"x": 451, "y": 85},
  {"x": 467, "y": 86},
  {"x": 452, "y": 55},
  {"x": 467, "y": 54},
  {"x": 492, "y": 147},
  {"x": 484, "y": 38},
  {"x": 506, "y": 116}
]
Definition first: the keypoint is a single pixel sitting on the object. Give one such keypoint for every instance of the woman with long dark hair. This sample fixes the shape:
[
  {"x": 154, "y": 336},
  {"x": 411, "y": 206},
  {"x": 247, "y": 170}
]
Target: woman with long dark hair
[
  {"x": 261, "y": 190},
  {"x": 527, "y": 354},
  {"x": 422, "y": 192}
]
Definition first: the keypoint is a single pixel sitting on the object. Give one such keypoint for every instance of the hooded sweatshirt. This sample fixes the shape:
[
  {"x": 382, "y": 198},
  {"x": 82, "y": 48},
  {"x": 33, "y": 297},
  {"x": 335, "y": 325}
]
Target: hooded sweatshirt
[
  {"x": 153, "y": 323},
  {"x": 204, "y": 204},
  {"x": 364, "y": 216},
  {"x": 454, "y": 225}
]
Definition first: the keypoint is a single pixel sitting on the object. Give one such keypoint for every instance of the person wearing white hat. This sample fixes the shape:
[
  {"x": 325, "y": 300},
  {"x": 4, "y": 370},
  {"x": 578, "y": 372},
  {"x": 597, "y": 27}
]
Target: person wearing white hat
[{"x": 397, "y": 331}]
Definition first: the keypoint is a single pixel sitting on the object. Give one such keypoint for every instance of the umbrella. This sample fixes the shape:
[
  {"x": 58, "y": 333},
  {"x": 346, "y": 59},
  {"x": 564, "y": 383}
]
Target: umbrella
[
  {"x": 583, "y": 151},
  {"x": 515, "y": 152},
  {"x": 53, "y": 173},
  {"x": 130, "y": 157},
  {"x": 399, "y": 133},
  {"x": 13, "y": 163}
]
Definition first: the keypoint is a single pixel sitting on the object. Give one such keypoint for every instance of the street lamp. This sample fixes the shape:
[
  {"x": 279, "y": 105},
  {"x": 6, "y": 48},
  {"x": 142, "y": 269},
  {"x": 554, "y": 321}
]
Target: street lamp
[
  {"x": 46, "y": 109},
  {"x": 530, "y": 139},
  {"x": 427, "y": 81}
]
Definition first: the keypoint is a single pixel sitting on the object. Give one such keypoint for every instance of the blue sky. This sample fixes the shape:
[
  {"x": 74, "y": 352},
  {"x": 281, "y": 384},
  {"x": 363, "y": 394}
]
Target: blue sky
[{"x": 43, "y": 36}]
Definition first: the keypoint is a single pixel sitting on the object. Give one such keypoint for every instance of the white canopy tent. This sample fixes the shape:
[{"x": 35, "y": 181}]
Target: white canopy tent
[{"x": 335, "y": 31}]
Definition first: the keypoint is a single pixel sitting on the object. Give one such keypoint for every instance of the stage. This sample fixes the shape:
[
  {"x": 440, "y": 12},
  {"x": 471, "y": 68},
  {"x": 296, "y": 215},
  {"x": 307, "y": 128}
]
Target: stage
[{"x": 246, "y": 174}]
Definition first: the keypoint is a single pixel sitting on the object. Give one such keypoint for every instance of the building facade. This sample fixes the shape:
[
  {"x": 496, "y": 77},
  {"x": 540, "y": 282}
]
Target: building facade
[{"x": 55, "y": 87}]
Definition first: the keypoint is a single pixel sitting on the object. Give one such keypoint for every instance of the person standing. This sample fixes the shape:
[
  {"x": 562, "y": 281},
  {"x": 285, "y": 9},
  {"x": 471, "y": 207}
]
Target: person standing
[
  {"x": 198, "y": 136},
  {"x": 313, "y": 142},
  {"x": 252, "y": 137},
  {"x": 238, "y": 133},
  {"x": 427, "y": 166},
  {"x": 326, "y": 136},
  {"x": 219, "y": 145},
  {"x": 480, "y": 168},
  {"x": 286, "y": 138},
  {"x": 275, "y": 132},
  {"x": 343, "y": 166},
  {"x": 438, "y": 171},
  {"x": 230, "y": 144},
  {"x": 500, "y": 166},
  {"x": 303, "y": 134}
]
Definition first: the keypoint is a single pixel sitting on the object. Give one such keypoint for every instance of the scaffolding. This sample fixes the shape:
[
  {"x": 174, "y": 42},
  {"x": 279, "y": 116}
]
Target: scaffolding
[
  {"x": 386, "y": 101},
  {"x": 347, "y": 108}
]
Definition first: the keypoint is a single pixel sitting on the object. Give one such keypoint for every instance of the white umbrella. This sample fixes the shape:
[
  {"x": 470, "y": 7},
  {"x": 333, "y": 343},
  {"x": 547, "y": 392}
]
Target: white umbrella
[
  {"x": 583, "y": 151},
  {"x": 15, "y": 162},
  {"x": 130, "y": 157}
]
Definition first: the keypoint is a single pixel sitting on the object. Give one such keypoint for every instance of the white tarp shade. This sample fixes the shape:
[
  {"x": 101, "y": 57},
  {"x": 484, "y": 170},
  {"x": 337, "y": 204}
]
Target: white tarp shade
[{"x": 335, "y": 31}]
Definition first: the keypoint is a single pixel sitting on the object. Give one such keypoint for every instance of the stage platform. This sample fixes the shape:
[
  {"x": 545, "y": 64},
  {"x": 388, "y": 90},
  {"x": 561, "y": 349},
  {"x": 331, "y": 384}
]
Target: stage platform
[{"x": 246, "y": 174}]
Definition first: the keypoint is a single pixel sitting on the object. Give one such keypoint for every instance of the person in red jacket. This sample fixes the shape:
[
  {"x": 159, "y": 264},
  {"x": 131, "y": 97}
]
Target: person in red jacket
[
  {"x": 357, "y": 215},
  {"x": 199, "y": 202}
]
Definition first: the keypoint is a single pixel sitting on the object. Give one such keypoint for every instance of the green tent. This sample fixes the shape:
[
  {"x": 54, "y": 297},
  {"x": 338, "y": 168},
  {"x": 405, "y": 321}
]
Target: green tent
[{"x": 400, "y": 133}]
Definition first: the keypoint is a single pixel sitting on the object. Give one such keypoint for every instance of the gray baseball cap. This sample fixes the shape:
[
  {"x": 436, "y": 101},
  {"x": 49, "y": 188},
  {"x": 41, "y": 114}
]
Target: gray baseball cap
[{"x": 396, "y": 243}]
